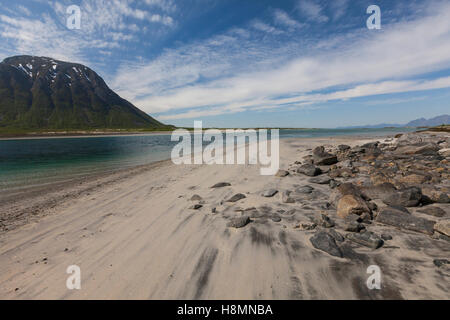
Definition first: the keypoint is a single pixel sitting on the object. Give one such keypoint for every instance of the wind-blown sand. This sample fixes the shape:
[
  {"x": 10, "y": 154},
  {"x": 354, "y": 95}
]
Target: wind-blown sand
[{"x": 134, "y": 237}]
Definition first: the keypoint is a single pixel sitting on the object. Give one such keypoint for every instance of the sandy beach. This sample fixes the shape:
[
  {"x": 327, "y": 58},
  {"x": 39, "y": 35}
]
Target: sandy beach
[{"x": 135, "y": 235}]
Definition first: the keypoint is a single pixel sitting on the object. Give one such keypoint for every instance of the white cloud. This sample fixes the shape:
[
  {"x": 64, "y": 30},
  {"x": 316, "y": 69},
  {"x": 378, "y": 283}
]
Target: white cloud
[
  {"x": 339, "y": 7},
  {"x": 264, "y": 27},
  {"x": 239, "y": 74},
  {"x": 105, "y": 24},
  {"x": 312, "y": 11},
  {"x": 165, "y": 5},
  {"x": 283, "y": 18}
]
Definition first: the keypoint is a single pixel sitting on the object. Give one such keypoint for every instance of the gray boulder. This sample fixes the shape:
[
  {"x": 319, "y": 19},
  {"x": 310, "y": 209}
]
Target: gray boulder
[
  {"x": 239, "y": 222},
  {"x": 379, "y": 191},
  {"x": 320, "y": 180},
  {"x": 269, "y": 193},
  {"x": 236, "y": 197},
  {"x": 400, "y": 219},
  {"x": 286, "y": 198},
  {"x": 304, "y": 189},
  {"x": 321, "y": 157},
  {"x": 309, "y": 170},
  {"x": 368, "y": 239},
  {"x": 221, "y": 185},
  {"x": 324, "y": 241},
  {"x": 418, "y": 148},
  {"x": 432, "y": 211},
  {"x": 409, "y": 197},
  {"x": 282, "y": 173}
]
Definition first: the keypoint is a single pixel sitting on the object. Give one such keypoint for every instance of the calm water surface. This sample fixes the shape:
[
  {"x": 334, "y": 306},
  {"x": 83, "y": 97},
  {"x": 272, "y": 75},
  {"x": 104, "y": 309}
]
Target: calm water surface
[{"x": 27, "y": 162}]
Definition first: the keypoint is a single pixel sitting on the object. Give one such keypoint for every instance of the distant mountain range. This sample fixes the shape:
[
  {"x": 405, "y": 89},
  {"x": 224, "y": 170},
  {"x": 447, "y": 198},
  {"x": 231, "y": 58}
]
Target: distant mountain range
[
  {"x": 43, "y": 93},
  {"x": 422, "y": 122}
]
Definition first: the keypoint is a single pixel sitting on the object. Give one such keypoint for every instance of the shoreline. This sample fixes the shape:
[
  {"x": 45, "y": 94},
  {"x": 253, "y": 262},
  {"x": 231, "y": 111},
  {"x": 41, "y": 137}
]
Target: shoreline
[
  {"x": 80, "y": 134},
  {"x": 37, "y": 201},
  {"x": 23, "y": 205}
]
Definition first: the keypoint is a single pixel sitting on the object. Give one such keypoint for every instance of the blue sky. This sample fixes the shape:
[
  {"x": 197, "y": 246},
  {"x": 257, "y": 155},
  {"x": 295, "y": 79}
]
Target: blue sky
[{"x": 299, "y": 63}]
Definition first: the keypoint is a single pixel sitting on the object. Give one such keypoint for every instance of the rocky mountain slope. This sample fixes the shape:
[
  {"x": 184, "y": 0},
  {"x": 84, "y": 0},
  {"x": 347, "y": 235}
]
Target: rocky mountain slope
[
  {"x": 436, "y": 121},
  {"x": 43, "y": 93}
]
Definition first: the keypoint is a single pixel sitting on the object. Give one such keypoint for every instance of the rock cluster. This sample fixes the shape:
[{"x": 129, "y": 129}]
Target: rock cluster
[
  {"x": 362, "y": 196},
  {"x": 403, "y": 184}
]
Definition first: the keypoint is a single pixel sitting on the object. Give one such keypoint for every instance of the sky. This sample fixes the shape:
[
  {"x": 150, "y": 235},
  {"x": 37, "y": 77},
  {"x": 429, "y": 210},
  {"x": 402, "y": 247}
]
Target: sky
[{"x": 251, "y": 63}]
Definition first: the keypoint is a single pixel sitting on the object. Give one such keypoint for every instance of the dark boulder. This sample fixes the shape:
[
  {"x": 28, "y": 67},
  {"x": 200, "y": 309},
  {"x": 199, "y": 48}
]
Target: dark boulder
[
  {"x": 409, "y": 197},
  {"x": 236, "y": 197},
  {"x": 368, "y": 239},
  {"x": 239, "y": 222},
  {"x": 321, "y": 157},
  {"x": 309, "y": 170},
  {"x": 324, "y": 241},
  {"x": 221, "y": 185},
  {"x": 400, "y": 219}
]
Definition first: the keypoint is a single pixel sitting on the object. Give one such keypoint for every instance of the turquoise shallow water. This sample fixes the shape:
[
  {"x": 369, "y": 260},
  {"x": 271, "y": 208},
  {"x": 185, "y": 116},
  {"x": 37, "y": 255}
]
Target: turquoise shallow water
[{"x": 28, "y": 162}]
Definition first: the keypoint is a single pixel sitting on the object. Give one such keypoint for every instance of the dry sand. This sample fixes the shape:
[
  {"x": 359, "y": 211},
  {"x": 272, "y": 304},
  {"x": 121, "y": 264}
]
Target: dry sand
[{"x": 134, "y": 237}]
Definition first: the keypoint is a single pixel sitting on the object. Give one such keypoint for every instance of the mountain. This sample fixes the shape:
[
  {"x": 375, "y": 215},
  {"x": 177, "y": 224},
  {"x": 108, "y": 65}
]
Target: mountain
[
  {"x": 43, "y": 93},
  {"x": 422, "y": 122},
  {"x": 436, "y": 121}
]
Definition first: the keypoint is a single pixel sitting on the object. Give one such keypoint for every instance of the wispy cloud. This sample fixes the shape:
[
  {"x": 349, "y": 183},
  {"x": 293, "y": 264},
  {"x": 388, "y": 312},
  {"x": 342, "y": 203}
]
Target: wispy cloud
[
  {"x": 105, "y": 25},
  {"x": 199, "y": 77},
  {"x": 312, "y": 11},
  {"x": 282, "y": 18},
  {"x": 339, "y": 8}
]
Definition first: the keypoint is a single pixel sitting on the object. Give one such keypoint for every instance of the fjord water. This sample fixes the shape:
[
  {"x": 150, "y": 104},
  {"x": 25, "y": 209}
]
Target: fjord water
[{"x": 38, "y": 161}]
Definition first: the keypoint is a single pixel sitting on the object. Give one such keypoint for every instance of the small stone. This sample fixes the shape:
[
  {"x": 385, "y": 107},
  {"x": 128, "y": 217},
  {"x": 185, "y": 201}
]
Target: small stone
[
  {"x": 239, "y": 222},
  {"x": 221, "y": 185},
  {"x": 196, "y": 197},
  {"x": 236, "y": 197},
  {"x": 309, "y": 170},
  {"x": 440, "y": 262},
  {"x": 285, "y": 197},
  {"x": 282, "y": 173},
  {"x": 368, "y": 239},
  {"x": 354, "y": 226},
  {"x": 385, "y": 236},
  {"x": 269, "y": 193},
  {"x": 306, "y": 225},
  {"x": 324, "y": 221},
  {"x": 304, "y": 189},
  {"x": 276, "y": 219},
  {"x": 320, "y": 180}
]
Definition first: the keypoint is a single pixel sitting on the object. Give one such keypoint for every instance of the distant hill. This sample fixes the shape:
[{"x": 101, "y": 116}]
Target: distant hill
[
  {"x": 422, "y": 122},
  {"x": 436, "y": 121},
  {"x": 43, "y": 93}
]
